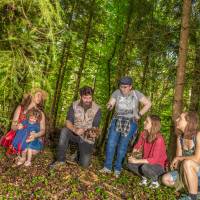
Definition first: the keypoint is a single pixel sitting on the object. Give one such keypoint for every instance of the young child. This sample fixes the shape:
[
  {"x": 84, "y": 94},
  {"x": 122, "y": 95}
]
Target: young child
[
  {"x": 25, "y": 136},
  {"x": 154, "y": 157}
]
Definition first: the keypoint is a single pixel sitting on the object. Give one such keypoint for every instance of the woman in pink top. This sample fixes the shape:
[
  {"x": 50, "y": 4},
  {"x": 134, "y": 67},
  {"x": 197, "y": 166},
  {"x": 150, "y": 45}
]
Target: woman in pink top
[{"x": 154, "y": 156}]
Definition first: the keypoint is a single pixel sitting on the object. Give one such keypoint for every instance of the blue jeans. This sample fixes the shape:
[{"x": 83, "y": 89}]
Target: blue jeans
[{"x": 116, "y": 139}]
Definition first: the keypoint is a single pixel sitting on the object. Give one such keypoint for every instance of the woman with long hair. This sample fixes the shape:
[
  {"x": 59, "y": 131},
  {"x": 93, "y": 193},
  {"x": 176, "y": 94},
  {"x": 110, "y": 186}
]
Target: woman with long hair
[
  {"x": 152, "y": 146},
  {"x": 34, "y": 99},
  {"x": 186, "y": 165}
]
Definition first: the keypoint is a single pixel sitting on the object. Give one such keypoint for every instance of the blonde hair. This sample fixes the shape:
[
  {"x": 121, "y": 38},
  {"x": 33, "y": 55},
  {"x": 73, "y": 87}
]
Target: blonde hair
[
  {"x": 27, "y": 98},
  {"x": 36, "y": 90}
]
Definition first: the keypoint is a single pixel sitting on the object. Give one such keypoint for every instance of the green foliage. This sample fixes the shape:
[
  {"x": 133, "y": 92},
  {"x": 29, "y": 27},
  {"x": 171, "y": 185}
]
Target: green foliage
[{"x": 33, "y": 33}]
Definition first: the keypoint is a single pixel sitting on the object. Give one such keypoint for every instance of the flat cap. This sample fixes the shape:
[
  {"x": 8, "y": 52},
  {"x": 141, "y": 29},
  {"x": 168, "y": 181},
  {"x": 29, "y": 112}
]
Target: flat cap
[{"x": 126, "y": 80}]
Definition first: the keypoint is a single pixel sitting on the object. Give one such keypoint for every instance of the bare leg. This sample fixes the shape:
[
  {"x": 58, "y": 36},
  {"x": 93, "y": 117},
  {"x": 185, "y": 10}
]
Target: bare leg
[
  {"x": 24, "y": 154},
  {"x": 190, "y": 171},
  {"x": 22, "y": 159},
  {"x": 31, "y": 152}
]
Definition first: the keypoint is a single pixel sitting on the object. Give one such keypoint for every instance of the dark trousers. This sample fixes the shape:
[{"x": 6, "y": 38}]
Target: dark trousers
[
  {"x": 146, "y": 170},
  {"x": 85, "y": 149}
]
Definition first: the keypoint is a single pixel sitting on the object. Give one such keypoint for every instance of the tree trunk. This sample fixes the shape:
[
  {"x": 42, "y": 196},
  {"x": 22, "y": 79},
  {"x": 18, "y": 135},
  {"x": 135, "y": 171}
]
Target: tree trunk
[
  {"x": 109, "y": 61},
  {"x": 101, "y": 141},
  {"x": 61, "y": 74},
  {"x": 59, "y": 82},
  {"x": 120, "y": 71},
  {"x": 122, "y": 49},
  {"x": 180, "y": 74},
  {"x": 195, "y": 92},
  {"x": 146, "y": 66},
  {"x": 47, "y": 67},
  {"x": 86, "y": 38}
]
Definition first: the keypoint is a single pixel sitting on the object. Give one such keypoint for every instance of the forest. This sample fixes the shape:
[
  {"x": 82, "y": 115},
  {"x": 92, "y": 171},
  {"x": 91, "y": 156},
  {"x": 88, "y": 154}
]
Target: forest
[{"x": 62, "y": 45}]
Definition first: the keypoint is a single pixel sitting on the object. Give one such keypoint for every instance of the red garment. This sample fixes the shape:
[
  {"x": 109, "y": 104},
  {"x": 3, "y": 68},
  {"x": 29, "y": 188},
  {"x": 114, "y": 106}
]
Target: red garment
[
  {"x": 22, "y": 116},
  {"x": 7, "y": 139},
  {"x": 154, "y": 152}
]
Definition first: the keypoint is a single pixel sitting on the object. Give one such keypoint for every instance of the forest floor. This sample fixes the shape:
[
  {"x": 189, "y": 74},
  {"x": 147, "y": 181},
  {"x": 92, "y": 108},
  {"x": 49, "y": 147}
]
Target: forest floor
[{"x": 71, "y": 182}]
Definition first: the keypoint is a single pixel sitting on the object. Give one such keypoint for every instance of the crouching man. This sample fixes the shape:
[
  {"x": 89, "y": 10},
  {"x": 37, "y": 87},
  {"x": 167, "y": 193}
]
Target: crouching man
[{"x": 82, "y": 124}]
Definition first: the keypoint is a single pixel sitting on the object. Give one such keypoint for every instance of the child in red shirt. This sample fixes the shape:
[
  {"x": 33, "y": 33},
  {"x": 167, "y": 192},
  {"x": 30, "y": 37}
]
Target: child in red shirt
[{"x": 154, "y": 156}]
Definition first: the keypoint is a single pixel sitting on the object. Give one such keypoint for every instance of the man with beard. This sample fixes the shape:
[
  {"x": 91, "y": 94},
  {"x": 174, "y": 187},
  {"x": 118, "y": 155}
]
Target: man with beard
[{"x": 83, "y": 115}]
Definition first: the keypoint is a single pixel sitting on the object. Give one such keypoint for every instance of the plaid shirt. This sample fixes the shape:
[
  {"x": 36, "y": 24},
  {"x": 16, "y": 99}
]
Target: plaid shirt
[{"x": 123, "y": 125}]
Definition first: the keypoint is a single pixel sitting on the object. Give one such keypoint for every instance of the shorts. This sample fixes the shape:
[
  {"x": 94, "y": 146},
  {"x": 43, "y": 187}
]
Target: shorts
[{"x": 174, "y": 174}]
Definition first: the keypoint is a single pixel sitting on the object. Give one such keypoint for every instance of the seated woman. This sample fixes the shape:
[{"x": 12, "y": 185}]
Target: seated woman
[
  {"x": 34, "y": 99},
  {"x": 187, "y": 161},
  {"x": 154, "y": 157}
]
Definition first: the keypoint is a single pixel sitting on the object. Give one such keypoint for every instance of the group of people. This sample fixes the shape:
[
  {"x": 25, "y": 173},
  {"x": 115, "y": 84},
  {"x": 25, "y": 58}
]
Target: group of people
[{"x": 148, "y": 158}]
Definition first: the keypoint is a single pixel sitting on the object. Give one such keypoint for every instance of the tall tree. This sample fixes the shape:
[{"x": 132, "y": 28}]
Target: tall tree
[
  {"x": 84, "y": 50},
  {"x": 195, "y": 40},
  {"x": 180, "y": 74},
  {"x": 61, "y": 71},
  {"x": 101, "y": 140},
  {"x": 195, "y": 91},
  {"x": 120, "y": 67}
]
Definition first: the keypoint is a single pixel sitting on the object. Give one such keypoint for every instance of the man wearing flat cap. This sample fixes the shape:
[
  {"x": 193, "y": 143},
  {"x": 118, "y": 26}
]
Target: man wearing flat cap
[{"x": 123, "y": 125}]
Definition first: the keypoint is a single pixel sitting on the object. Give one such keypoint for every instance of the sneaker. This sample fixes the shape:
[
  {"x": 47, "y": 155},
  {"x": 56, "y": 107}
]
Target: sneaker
[
  {"x": 117, "y": 173},
  {"x": 154, "y": 184},
  {"x": 144, "y": 181},
  {"x": 105, "y": 170},
  {"x": 56, "y": 164}
]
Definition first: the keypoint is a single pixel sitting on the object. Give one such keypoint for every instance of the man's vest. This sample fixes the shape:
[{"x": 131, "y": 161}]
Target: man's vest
[{"x": 84, "y": 119}]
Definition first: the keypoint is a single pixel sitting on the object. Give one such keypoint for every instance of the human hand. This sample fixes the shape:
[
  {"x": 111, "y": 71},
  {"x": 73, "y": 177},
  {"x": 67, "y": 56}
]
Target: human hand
[
  {"x": 109, "y": 106},
  {"x": 132, "y": 159},
  {"x": 14, "y": 123},
  {"x": 20, "y": 126},
  {"x": 138, "y": 116},
  {"x": 31, "y": 137},
  {"x": 175, "y": 162},
  {"x": 79, "y": 131}
]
